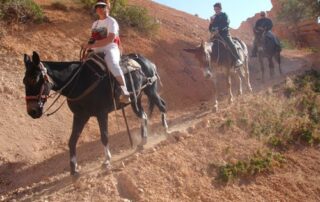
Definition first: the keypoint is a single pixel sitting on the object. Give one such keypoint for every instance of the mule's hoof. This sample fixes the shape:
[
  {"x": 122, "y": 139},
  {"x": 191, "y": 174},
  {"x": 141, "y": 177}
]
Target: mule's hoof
[
  {"x": 107, "y": 165},
  {"x": 215, "y": 109},
  {"x": 144, "y": 141},
  {"x": 75, "y": 174},
  {"x": 166, "y": 130},
  {"x": 140, "y": 147}
]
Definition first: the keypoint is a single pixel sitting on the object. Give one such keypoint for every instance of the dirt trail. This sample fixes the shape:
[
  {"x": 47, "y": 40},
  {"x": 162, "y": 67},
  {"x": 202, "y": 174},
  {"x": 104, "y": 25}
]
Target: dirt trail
[{"x": 34, "y": 162}]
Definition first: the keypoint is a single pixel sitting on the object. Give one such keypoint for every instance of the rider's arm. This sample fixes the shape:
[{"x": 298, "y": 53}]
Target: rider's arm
[
  {"x": 103, "y": 42},
  {"x": 112, "y": 28},
  {"x": 211, "y": 25},
  {"x": 269, "y": 25},
  {"x": 224, "y": 24}
]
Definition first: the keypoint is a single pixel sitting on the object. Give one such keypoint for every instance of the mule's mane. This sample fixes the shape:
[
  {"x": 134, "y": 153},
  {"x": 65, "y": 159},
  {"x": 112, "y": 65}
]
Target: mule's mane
[{"x": 60, "y": 72}]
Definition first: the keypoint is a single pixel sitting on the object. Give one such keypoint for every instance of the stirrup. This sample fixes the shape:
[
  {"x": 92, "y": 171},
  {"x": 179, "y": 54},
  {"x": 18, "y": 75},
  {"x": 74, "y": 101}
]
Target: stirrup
[
  {"x": 124, "y": 99},
  {"x": 125, "y": 95}
]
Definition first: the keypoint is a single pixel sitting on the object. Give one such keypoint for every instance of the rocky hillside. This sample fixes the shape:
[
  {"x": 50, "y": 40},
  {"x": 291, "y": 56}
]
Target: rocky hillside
[{"x": 180, "y": 166}]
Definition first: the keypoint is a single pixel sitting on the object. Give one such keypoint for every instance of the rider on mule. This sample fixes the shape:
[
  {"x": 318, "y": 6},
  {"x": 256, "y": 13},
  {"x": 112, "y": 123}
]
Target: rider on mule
[
  {"x": 262, "y": 27},
  {"x": 219, "y": 23},
  {"x": 105, "y": 39}
]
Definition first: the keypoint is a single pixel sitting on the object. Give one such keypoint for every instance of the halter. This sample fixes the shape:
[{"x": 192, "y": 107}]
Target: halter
[{"x": 41, "y": 97}]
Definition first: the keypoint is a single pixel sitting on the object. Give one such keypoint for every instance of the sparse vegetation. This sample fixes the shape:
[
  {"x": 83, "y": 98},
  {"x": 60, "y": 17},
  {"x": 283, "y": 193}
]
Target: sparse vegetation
[
  {"x": 256, "y": 164},
  {"x": 288, "y": 44},
  {"x": 138, "y": 18},
  {"x": 58, "y": 5},
  {"x": 295, "y": 120},
  {"x": 294, "y": 11},
  {"x": 88, "y": 3},
  {"x": 21, "y": 11}
]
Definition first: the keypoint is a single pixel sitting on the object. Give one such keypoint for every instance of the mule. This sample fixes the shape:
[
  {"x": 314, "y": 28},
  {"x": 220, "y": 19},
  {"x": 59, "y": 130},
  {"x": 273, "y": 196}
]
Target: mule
[
  {"x": 268, "y": 47},
  {"x": 215, "y": 56},
  {"x": 89, "y": 91}
]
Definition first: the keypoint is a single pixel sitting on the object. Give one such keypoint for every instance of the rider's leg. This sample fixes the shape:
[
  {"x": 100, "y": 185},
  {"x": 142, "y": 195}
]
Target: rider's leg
[
  {"x": 112, "y": 58},
  {"x": 227, "y": 38}
]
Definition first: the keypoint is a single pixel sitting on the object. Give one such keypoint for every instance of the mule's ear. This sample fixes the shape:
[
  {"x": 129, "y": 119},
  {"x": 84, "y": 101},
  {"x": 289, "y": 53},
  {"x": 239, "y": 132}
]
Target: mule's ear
[
  {"x": 26, "y": 58},
  {"x": 190, "y": 50},
  {"x": 35, "y": 58}
]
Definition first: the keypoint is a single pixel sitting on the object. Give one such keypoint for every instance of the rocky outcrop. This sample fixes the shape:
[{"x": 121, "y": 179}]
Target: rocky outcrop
[{"x": 305, "y": 34}]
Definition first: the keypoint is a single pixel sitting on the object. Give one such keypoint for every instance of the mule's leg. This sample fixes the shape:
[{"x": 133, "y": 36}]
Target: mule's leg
[
  {"x": 230, "y": 87},
  {"x": 260, "y": 56},
  {"x": 271, "y": 66},
  {"x": 215, "y": 93},
  {"x": 278, "y": 59},
  {"x": 77, "y": 127},
  {"x": 155, "y": 99},
  {"x": 238, "y": 75},
  {"x": 247, "y": 75},
  {"x": 103, "y": 125},
  {"x": 144, "y": 120}
]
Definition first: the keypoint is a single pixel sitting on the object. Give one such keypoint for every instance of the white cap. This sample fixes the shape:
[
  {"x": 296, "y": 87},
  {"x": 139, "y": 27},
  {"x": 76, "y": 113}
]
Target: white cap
[{"x": 100, "y": 4}]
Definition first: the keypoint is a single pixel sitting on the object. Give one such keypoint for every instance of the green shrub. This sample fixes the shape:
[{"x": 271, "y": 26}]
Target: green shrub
[
  {"x": 287, "y": 44},
  {"x": 275, "y": 141},
  {"x": 21, "y": 11},
  {"x": 138, "y": 18},
  {"x": 258, "y": 163},
  {"x": 133, "y": 16},
  {"x": 293, "y": 11},
  {"x": 88, "y": 3},
  {"x": 58, "y": 5}
]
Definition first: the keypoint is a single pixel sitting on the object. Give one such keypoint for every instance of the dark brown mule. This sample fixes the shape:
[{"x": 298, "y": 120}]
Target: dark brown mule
[
  {"x": 268, "y": 47},
  {"x": 72, "y": 79}
]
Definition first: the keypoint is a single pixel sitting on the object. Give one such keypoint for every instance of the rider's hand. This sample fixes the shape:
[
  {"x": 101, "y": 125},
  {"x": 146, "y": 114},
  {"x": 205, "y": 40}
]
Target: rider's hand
[
  {"x": 215, "y": 32},
  {"x": 84, "y": 46}
]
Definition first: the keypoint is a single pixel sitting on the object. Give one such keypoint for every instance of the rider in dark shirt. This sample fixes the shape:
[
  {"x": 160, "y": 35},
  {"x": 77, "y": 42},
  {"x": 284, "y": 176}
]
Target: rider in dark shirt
[
  {"x": 263, "y": 25},
  {"x": 220, "y": 23}
]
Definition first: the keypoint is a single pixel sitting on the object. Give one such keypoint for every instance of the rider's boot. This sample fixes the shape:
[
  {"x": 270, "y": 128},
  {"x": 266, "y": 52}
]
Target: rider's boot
[{"x": 125, "y": 95}]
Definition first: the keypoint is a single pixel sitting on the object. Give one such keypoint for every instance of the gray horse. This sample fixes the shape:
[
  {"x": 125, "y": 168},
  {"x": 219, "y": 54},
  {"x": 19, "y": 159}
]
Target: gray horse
[
  {"x": 215, "y": 56},
  {"x": 268, "y": 46}
]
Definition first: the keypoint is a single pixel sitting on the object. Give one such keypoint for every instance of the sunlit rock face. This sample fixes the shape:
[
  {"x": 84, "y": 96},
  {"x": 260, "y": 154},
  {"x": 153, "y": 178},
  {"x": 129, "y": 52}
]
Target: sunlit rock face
[{"x": 305, "y": 34}]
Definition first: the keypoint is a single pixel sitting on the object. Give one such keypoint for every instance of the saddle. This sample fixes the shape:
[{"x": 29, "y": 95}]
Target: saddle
[
  {"x": 235, "y": 42},
  {"x": 127, "y": 64},
  {"x": 269, "y": 35}
]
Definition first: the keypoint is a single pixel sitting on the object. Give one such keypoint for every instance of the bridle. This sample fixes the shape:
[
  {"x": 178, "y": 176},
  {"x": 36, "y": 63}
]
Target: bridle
[{"x": 42, "y": 96}]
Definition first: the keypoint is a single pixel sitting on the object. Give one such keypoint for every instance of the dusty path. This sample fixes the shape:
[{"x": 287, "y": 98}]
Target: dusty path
[
  {"x": 50, "y": 178},
  {"x": 34, "y": 157}
]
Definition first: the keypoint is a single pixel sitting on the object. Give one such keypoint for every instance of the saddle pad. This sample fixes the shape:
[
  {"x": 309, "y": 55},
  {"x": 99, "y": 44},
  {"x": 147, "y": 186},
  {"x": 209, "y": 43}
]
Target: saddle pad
[{"x": 127, "y": 64}]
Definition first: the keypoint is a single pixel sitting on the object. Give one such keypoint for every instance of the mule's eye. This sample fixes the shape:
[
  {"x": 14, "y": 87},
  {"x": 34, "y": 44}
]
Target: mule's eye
[{"x": 31, "y": 80}]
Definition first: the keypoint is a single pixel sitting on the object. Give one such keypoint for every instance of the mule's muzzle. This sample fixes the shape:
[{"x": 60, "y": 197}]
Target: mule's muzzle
[
  {"x": 35, "y": 114},
  {"x": 34, "y": 110}
]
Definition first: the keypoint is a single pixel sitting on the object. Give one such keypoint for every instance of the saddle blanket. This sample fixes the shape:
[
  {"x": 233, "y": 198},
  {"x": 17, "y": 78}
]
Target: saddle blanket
[{"x": 127, "y": 64}]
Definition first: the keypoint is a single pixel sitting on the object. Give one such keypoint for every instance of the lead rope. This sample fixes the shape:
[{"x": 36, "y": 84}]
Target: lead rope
[
  {"x": 82, "y": 53},
  {"x": 112, "y": 86},
  {"x": 133, "y": 89}
]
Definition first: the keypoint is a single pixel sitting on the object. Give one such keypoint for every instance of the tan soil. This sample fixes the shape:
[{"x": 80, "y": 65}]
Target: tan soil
[{"x": 34, "y": 158}]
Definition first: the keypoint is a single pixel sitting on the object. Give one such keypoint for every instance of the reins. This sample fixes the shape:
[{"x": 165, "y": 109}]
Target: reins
[{"x": 82, "y": 52}]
